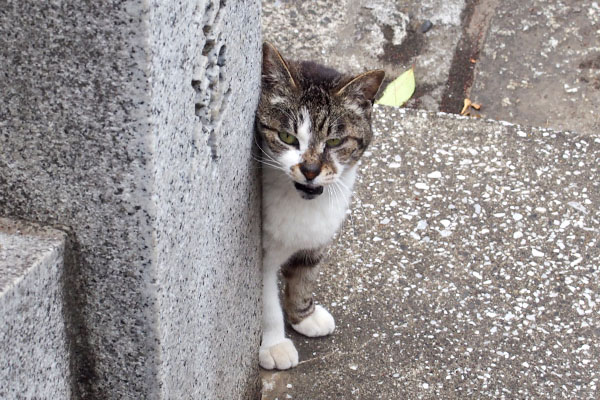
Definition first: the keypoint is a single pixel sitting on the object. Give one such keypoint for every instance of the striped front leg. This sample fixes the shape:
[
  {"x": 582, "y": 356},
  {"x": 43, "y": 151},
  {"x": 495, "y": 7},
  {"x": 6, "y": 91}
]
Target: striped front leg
[{"x": 300, "y": 272}]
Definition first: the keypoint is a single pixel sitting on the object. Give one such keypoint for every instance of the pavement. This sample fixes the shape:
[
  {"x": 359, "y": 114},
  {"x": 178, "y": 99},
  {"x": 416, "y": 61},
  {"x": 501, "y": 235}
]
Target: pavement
[
  {"x": 469, "y": 266},
  {"x": 540, "y": 65}
]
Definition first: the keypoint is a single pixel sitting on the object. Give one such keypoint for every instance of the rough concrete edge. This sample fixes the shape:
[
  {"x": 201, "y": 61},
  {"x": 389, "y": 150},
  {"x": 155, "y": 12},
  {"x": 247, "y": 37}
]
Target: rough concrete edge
[
  {"x": 21, "y": 227},
  {"x": 150, "y": 144},
  {"x": 486, "y": 121},
  {"x": 18, "y": 226},
  {"x": 81, "y": 359}
]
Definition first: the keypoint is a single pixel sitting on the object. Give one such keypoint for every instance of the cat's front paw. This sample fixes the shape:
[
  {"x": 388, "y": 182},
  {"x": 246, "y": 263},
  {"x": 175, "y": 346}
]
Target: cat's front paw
[
  {"x": 282, "y": 355},
  {"x": 319, "y": 323}
]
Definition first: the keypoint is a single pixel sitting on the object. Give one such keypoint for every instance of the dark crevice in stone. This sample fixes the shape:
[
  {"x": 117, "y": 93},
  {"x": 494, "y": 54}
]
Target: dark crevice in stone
[
  {"x": 253, "y": 388},
  {"x": 208, "y": 46},
  {"x": 462, "y": 70},
  {"x": 212, "y": 93},
  {"x": 221, "y": 56},
  {"x": 212, "y": 143},
  {"x": 82, "y": 363},
  {"x": 198, "y": 109},
  {"x": 475, "y": 20}
]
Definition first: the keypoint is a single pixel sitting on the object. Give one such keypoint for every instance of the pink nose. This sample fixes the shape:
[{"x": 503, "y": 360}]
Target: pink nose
[{"x": 310, "y": 171}]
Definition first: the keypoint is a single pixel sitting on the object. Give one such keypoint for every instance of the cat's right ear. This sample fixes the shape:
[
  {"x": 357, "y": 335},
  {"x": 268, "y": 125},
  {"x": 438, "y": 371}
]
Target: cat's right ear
[{"x": 275, "y": 70}]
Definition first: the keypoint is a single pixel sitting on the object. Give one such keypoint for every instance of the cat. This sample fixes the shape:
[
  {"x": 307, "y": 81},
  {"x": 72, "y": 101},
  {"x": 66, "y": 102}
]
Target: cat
[{"x": 313, "y": 125}]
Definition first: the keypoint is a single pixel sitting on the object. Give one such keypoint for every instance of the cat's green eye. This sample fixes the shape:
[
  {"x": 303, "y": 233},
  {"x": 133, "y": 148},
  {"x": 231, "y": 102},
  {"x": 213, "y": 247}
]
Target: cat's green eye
[
  {"x": 334, "y": 142},
  {"x": 287, "y": 138}
]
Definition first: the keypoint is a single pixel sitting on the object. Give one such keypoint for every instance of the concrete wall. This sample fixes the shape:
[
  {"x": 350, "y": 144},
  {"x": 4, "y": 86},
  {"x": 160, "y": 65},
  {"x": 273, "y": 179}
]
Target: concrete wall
[
  {"x": 130, "y": 123},
  {"x": 34, "y": 357}
]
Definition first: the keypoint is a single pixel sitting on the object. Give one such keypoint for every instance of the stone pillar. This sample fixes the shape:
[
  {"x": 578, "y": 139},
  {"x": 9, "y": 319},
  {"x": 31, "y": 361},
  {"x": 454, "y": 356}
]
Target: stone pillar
[{"x": 131, "y": 124}]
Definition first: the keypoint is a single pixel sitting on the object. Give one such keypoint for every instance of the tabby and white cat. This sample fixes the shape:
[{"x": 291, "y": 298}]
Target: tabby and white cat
[{"x": 314, "y": 124}]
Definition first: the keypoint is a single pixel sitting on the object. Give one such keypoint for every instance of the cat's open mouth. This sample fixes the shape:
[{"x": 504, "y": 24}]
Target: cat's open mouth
[{"x": 308, "y": 192}]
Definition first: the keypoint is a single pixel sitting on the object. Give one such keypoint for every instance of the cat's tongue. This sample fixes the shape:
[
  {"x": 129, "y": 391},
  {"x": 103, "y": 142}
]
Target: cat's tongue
[{"x": 308, "y": 192}]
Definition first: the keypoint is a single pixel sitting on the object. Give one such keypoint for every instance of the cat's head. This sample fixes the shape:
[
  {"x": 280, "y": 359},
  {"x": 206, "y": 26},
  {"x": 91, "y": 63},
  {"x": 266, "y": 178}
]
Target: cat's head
[{"x": 315, "y": 123}]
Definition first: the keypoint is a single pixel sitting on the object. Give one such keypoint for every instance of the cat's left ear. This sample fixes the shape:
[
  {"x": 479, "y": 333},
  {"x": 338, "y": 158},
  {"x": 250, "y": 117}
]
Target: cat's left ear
[
  {"x": 364, "y": 85},
  {"x": 275, "y": 70}
]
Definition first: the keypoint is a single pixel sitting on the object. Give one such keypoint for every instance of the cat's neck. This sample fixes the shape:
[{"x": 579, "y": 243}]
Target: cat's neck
[{"x": 294, "y": 223}]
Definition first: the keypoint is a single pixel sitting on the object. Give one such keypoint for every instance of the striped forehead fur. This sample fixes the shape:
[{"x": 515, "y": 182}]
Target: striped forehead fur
[{"x": 304, "y": 129}]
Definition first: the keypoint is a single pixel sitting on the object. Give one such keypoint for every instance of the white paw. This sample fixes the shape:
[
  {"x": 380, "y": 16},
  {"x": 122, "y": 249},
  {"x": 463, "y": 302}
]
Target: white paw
[
  {"x": 319, "y": 323},
  {"x": 282, "y": 355}
]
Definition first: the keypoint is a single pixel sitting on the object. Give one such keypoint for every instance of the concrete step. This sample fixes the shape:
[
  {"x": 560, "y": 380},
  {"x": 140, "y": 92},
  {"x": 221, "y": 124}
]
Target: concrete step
[
  {"x": 34, "y": 361},
  {"x": 469, "y": 268}
]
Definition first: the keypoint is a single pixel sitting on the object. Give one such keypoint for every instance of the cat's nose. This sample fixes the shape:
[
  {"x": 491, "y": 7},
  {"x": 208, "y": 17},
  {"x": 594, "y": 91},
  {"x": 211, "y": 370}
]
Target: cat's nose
[{"x": 310, "y": 171}]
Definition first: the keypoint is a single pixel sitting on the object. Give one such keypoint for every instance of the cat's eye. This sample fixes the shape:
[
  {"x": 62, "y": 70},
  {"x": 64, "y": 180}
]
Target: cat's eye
[
  {"x": 334, "y": 142},
  {"x": 287, "y": 138}
]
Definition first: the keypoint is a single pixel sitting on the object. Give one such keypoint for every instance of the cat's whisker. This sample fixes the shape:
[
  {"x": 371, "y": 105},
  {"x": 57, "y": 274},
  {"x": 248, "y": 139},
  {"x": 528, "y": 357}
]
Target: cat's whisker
[
  {"x": 270, "y": 158},
  {"x": 347, "y": 202},
  {"x": 334, "y": 192},
  {"x": 338, "y": 185},
  {"x": 334, "y": 201},
  {"x": 329, "y": 196},
  {"x": 337, "y": 118},
  {"x": 340, "y": 182},
  {"x": 335, "y": 189},
  {"x": 269, "y": 164},
  {"x": 285, "y": 111},
  {"x": 341, "y": 185},
  {"x": 264, "y": 152},
  {"x": 360, "y": 205},
  {"x": 270, "y": 161}
]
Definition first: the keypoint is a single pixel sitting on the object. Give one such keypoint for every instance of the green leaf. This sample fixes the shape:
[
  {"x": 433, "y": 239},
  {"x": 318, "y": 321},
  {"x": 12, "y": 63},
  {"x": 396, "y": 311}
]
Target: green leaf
[{"x": 399, "y": 90}]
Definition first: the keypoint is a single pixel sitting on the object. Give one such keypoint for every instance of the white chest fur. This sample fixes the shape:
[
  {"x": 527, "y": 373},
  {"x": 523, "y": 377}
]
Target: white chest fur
[{"x": 295, "y": 223}]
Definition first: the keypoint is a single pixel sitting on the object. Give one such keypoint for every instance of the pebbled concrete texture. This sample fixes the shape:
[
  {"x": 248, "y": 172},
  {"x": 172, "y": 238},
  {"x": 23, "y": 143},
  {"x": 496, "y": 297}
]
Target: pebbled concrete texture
[
  {"x": 468, "y": 267},
  {"x": 540, "y": 65},
  {"x": 131, "y": 125},
  {"x": 34, "y": 354}
]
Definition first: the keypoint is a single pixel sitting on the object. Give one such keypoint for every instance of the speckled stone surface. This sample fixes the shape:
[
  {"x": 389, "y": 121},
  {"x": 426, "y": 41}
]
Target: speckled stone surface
[
  {"x": 130, "y": 123},
  {"x": 468, "y": 268},
  {"x": 540, "y": 65},
  {"x": 34, "y": 359},
  {"x": 207, "y": 200}
]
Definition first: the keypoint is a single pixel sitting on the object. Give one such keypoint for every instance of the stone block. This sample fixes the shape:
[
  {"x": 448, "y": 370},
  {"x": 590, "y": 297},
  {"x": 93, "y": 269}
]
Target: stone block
[
  {"x": 34, "y": 358},
  {"x": 131, "y": 124}
]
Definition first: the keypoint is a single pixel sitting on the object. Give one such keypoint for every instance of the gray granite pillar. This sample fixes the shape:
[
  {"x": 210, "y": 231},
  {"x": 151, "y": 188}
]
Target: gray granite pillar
[{"x": 129, "y": 124}]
